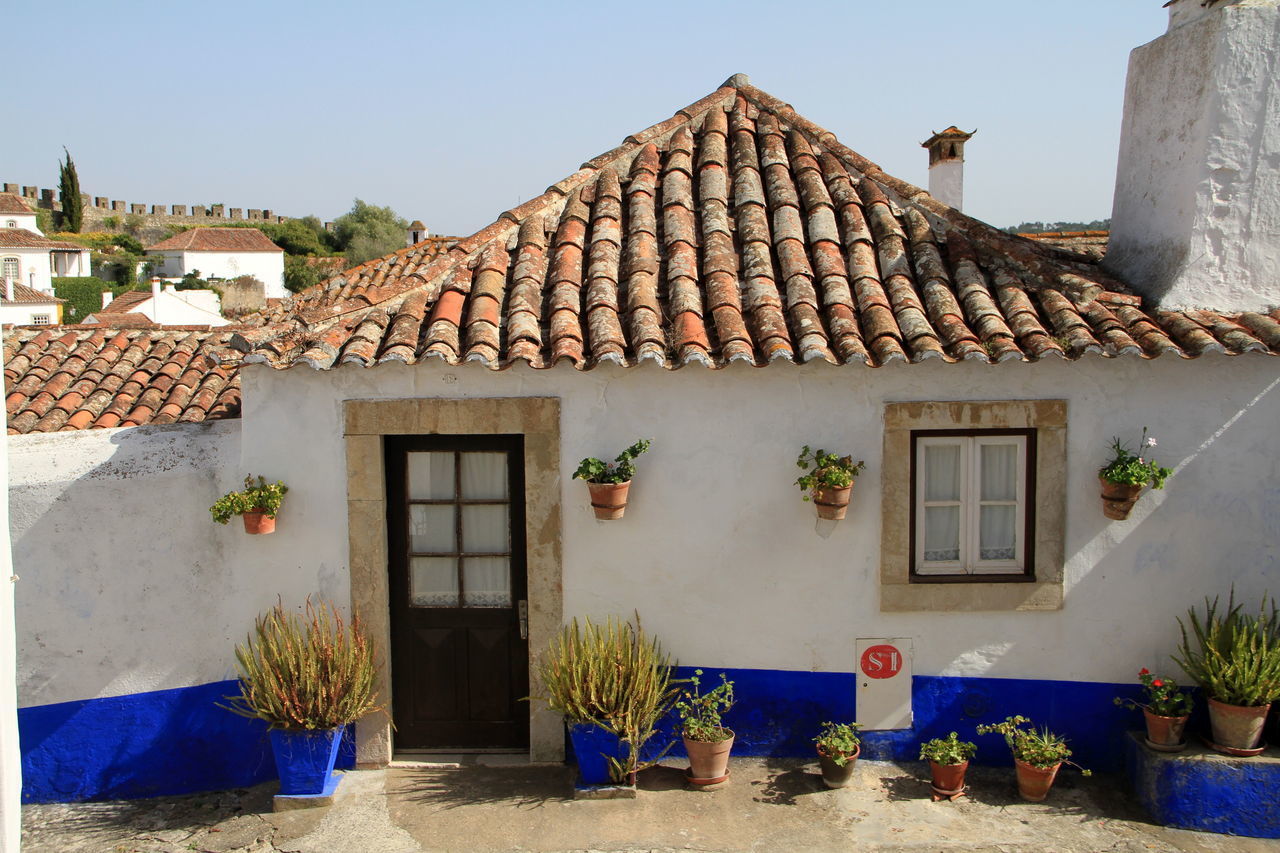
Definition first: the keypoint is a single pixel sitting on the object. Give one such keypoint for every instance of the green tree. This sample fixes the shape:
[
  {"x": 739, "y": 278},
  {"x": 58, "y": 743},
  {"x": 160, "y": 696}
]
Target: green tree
[
  {"x": 298, "y": 236},
  {"x": 299, "y": 275},
  {"x": 368, "y": 232},
  {"x": 69, "y": 188}
]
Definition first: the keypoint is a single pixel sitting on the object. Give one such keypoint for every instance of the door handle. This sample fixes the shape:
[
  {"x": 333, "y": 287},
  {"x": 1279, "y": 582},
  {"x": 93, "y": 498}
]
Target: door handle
[{"x": 522, "y": 610}]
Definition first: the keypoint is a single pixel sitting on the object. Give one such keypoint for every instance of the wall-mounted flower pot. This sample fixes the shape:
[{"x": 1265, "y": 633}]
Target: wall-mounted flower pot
[
  {"x": 832, "y": 503},
  {"x": 1118, "y": 499},
  {"x": 258, "y": 522},
  {"x": 609, "y": 500}
]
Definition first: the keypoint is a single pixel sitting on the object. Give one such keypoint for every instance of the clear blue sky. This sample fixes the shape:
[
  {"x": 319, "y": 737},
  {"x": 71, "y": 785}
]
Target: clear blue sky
[{"x": 452, "y": 113}]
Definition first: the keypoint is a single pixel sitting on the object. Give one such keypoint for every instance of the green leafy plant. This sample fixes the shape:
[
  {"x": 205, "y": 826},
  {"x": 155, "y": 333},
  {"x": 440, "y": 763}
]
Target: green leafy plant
[
  {"x": 838, "y": 741},
  {"x": 621, "y": 470},
  {"x": 700, "y": 712},
  {"x": 1040, "y": 748},
  {"x": 1130, "y": 468},
  {"x": 305, "y": 672},
  {"x": 948, "y": 750},
  {"x": 612, "y": 676},
  {"x": 1164, "y": 697},
  {"x": 826, "y": 470},
  {"x": 261, "y": 497},
  {"x": 1234, "y": 657}
]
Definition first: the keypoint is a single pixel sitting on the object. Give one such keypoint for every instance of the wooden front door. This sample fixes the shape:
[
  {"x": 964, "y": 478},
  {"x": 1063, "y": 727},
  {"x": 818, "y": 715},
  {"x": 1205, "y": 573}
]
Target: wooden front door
[{"x": 455, "y": 530}]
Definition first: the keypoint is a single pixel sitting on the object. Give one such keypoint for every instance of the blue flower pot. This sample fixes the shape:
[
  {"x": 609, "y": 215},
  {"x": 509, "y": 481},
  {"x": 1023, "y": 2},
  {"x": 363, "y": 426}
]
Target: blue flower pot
[
  {"x": 305, "y": 759},
  {"x": 593, "y": 747}
]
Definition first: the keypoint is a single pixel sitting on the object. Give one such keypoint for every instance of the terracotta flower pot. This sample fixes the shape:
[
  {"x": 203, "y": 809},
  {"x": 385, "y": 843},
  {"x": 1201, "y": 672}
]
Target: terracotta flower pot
[
  {"x": 1034, "y": 782},
  {"x": 258, "y": 522},
  {"x": 948, "y": 778},
  {"x": 832, "y": 503},
  {"x": 708, "y": 762},
  {"x": 1237, "y": 726},
  {"x": 609, "y": 500},
  {"x": 836, "y": 775},
  {"x": 1118, "y": 499},
  {"x": 1165, "y": 733}
]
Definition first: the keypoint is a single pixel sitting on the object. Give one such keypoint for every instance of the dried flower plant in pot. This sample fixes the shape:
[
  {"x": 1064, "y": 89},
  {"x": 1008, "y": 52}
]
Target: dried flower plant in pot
[
  {"x": 706, "y": 741},
  {"x": 948, "y": 762},
  {"x": 257, "y": 505},
  {"x": 1037, "y": 755},
  {"x": 609, "y": 483},
  {"x": 1126, "y": 474},
  {"x": 613, "y": 685},
  {"x": 838, "y": 748},
  {"x": 828, "y": 481},
  {"x": 1165, "y": 711},
  {"x": 308, "y": 676},
  {"x": 1235, "y": 658}
]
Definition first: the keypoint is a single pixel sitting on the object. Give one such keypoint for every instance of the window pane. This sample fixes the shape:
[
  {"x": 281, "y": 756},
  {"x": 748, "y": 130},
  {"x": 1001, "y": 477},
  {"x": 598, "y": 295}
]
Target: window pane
[
  {"x": 433, "y": 581},
  {"x": 942, "y": 472},
  {"x": 484, "y": 528},
  {"x": 941, "y": 533},
  {"x": 488, "y": 582},
  {"x": 999, "y": 472},
  {"x": 432, "y": 529},
  {"x": 484, "y": 476},
  {"x": 430, "y": 476},
  {"x": 998, "y": 533}
]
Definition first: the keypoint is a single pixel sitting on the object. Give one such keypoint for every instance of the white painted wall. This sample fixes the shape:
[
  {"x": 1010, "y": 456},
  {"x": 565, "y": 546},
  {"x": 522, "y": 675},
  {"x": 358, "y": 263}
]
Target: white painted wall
[
  {"x": 10, "y": 754},
  {"x": 34, "y": 269},
  {"x": 23, "y": 313},
  {"x": 1196, "y": 216},
  {"x": 27, "y": 221},
  {"x": 267, "y": 267},
  {"x": 946, "y": 182}
]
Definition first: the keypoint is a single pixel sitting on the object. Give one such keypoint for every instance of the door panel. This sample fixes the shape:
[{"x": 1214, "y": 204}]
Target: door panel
[{"x": 455, "y": 524}]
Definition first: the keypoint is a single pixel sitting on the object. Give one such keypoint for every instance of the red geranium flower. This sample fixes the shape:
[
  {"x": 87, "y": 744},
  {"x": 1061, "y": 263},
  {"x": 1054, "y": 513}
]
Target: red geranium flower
[
  {"x": 1157, "y": 683},
  {"x": 1144, "y": 671}
]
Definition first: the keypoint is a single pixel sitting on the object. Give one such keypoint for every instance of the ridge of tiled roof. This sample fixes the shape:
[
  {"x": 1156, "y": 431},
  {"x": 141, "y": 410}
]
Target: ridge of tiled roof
[
  {"x": 217, "y": 240},
  {"x": 21, "y": 238},
  {"x": 27, "y": 295},
  {"x": 736, "y": 230},
  {"x": 125, "y": 302},
  {"x": 13, "y": 203}
]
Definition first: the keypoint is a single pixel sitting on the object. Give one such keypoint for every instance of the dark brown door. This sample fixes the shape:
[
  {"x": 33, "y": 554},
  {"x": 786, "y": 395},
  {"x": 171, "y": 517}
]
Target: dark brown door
[{"x": 455, "y": 524}]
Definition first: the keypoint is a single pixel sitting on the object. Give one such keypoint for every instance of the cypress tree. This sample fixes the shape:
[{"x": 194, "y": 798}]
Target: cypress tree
[{"x": 69, "y": 188}]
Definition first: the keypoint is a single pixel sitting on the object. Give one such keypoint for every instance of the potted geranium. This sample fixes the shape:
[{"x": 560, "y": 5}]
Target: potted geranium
[
  {"x": 828, "y": 480},
  {"x": 308, "y": 678},
  {"x": 1126, "y": 474},
  {"x": 1235, "y": 658},
  {"x": 1037, "y": 755},
  {"x": 1166, "y": 711},
  {"x": 613, "y": 685},
  {"x": 838, "y": 747},
  {"x": 948, "y": 760},
  {"x": 706, "y": 740},
  {"x": 610, "y": 482},
  {"x": 257, "y": 505}
]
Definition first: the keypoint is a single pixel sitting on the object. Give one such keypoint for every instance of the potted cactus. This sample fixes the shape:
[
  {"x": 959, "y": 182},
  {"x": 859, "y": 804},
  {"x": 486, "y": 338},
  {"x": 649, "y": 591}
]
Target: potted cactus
[
  {"x": 1037, "y": 755},
  {"x": 610, "y": 482}
]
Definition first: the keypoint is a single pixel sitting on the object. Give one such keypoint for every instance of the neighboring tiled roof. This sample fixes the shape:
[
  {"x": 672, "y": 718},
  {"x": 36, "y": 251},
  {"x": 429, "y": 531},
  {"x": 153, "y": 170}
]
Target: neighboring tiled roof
[
  {"x": 125, "y": 302},
  {"x": 11, "y": 203},
  {"x": 736, "y": 230},
  {"x": 1091, "y": 244},
  {"x": 77, "y": 377},
  {"x": 21, "y": 238},
  {"x": 131, "y": 320},
  {"x": 27, "y": 295},
  {"x": 218, "y": 240}
]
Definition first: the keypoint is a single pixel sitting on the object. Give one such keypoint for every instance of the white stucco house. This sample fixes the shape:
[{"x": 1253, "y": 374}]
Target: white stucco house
[
  {"x": 30, "y": 259},
  {"x": 163, "y": 305},
  {"x": 23, "y": 306},
  {"x": 222, "y": 253},
  {"x": 733, "y": 283}
]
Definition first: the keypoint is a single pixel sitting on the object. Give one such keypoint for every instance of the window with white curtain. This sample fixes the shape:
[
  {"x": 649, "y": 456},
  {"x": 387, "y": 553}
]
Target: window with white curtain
[{"x": 971, "y": 497}]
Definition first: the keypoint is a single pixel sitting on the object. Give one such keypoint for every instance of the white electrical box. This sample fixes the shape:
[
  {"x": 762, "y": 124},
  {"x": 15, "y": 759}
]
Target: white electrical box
[{"x": 883, "y": 695}]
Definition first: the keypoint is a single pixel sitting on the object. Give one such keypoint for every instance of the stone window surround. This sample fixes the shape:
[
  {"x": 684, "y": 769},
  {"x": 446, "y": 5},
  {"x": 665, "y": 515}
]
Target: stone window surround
[
  {"x": 366, "y": 422},
  {"x": 1049, "y": 419}
]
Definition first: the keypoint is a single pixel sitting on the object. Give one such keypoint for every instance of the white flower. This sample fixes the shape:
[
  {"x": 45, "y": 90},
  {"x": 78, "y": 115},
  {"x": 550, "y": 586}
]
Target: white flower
[{"x": 1150, "y": 442}]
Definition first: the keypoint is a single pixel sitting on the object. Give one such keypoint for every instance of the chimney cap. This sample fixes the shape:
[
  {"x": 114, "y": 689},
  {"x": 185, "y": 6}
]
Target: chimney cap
[{"x": 948, "y": 135}]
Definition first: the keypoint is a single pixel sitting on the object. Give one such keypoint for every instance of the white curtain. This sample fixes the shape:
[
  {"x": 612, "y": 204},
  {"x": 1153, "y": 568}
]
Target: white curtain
[
  {"x": 485, "y": 530},
  {"x": 434, "y": 581},
  {"x": 942, "y": 483},
  {"x": 430, "y": 476},
  {"x": 997, "y": 524}
]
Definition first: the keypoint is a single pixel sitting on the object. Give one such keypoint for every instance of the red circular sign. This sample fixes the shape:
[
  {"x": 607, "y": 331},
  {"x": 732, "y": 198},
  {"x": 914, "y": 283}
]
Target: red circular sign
[{"x": 882, "y": 661}]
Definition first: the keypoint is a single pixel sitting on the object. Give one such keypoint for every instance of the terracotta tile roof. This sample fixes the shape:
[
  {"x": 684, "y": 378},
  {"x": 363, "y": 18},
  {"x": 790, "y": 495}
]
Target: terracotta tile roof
[
  {"x": 125, "y": 302},
  {"x": 21, "y": 238},
  {"x": 80, "y": 377},
  {"x": 218, "y": 240},
  {"x": 1091, "y": 244},
  {"x": 24, "y": 294},
  {"x": 737, "y": 230},
  {"x": 12, "y": 203}
]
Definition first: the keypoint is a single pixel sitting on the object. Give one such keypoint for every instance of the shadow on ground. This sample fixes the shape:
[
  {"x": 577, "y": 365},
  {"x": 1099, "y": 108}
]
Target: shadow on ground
[{"x": 456, "y": 787}]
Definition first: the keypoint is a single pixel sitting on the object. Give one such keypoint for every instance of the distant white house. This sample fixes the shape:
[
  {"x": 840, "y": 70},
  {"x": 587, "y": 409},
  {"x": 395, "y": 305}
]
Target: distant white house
[
  {"x": 222, "y": 253},
  {"x": 29, "y": 258},
  {"x": 165, "y": 306},
  {"x": 22, "y": 306}
]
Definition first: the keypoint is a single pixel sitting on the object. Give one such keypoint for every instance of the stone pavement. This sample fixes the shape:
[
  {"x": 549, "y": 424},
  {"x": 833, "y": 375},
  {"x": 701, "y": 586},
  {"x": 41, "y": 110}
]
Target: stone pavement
[{"x": 769, "y": 805}]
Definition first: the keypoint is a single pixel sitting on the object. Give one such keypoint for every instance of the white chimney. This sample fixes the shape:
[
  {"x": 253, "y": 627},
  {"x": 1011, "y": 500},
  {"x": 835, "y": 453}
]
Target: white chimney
[
  {"x": 8, "y": 288},
  {"x": 417, "y": 232},
  {"x": 1196, "y": 217},
  {"x": 946, "y": 165},
  {"x": 155, "y": 300},
  {"x": 107, "y": 296}
]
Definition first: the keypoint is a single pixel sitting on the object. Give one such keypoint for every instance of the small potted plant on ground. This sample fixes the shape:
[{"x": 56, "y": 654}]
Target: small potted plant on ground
[
  {"x": 829, "y": 480},
  {"x": 1235, "y": 658},
  {"x": 1037, "y": 755},
  {"x": 613, "y": 685},
  {"x": 257, "y": 505},
  {"x": 1126, "y": 474},
  {"x": 609, "y": 482},
  {"x": 308, "y": 678},
  {"x": 706, "y": 740},
  {"x": 1166, "y": 711},
  {"x": 838, "y": 746},
  {"x": 948, "y": 760}
]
